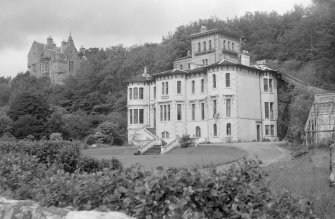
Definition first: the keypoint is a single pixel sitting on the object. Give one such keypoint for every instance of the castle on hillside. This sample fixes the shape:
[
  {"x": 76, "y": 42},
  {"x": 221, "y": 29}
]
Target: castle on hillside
[
  {"x": 213, "y": 94},
  {"x": 54, "y": 62}
]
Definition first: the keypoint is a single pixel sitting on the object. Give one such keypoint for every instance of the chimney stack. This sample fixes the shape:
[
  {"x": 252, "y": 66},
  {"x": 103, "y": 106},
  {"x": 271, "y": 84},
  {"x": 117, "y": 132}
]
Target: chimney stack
[
  {"x": 245, "y": 58},
  {"x": 203, "y": 29},
  {"x": 50, "y": 41}
]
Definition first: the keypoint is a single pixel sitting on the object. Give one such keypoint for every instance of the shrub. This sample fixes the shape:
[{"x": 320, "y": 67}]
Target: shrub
[
  {"x": 186, "y": 141},
  {"x": 64, "y": 154},
  {"x": 29, "y": 125},
  {"x": 92, "y": 165},
  {"x": 5, "y": 124},
  {"x": 19, "y": 173},
  {"x": 76, "y": 126},
  {"x": 56, "y": 137}
]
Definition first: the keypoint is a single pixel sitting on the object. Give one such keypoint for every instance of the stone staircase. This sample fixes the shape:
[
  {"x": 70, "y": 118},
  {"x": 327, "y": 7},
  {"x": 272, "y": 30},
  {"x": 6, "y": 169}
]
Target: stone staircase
[
  {"x": 152, "y": 130},
  {"x": 155, "y": 150}
]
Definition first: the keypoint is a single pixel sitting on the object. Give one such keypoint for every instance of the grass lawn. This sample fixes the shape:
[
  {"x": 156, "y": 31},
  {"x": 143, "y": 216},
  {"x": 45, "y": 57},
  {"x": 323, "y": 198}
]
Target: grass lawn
[
  {"x": 181, "y": 157},
  {"x": 308, "y": 177}
]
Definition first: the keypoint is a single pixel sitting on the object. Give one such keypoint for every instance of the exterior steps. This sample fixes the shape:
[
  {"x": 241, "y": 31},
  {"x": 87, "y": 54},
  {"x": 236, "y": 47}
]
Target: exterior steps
[
  {"x": 152, "y": 130},
  {"x": 155, "y": 150}
]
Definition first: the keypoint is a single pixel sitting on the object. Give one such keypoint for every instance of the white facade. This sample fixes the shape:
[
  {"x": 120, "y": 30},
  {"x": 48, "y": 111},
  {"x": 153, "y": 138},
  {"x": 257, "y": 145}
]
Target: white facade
[{"x": 221, "y": 101}]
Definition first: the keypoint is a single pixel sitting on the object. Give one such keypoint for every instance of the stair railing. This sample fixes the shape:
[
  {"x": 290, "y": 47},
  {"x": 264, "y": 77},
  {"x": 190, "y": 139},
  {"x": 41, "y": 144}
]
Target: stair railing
[
  {"x": 170, "y": 146},
  {"x": 147, "y": 146}
]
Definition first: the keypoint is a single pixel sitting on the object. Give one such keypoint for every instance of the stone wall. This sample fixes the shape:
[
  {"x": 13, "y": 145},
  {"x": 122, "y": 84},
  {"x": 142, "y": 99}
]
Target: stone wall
[{"x": 27, "y": 209}]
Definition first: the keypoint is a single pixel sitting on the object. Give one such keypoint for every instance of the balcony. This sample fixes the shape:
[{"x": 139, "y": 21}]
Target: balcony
[{"x": 204, "y": 52}]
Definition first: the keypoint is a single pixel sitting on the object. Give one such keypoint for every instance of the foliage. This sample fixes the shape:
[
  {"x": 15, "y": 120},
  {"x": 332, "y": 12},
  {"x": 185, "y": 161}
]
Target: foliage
[
  {"x": 64, "y": 154},
  {"x": 186, "y": 141},
  {"x": 56, "y": 136},
  {"x": 76, "y": 126},
  {"x": 173, "y": 193},
  {"x": 29, "y": 104},
  {"x": 28, "y": 125},
  {"x": 5, "y": 124},
  {"x": 93, "y": 165},
  {"x": 19, "y": 173}
]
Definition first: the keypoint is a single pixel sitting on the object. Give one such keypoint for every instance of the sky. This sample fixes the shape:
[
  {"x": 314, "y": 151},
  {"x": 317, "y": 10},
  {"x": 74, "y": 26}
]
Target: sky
[{"x": 105, "y": 23}]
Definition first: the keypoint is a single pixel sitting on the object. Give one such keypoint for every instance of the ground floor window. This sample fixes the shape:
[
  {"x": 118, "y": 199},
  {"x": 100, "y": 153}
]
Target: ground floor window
[
  {"x": 267, "y": 130},
  {"x": 272, "y": 128},
  {"x": 197, "y": 132},
  {"x": 165, "y": 112},
  {"x": 215, "y": 130},
  {"x": 165, "y": 134},
  {"x": 228, "y": 129},
  {"x": 136, "y": 116}
]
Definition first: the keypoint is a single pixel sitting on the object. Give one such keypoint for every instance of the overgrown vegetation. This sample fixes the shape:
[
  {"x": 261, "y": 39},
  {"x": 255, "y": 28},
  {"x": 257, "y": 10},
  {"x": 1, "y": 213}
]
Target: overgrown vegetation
[{"x": 240, "y": 192}]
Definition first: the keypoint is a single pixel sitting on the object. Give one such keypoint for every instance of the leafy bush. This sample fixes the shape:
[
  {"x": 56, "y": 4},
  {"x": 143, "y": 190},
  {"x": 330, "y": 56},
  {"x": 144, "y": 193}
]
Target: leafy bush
[
  {"x": 92, "y": 165},
  {"x": 186, "y": 141},
  {"x": 241, "y": 192},
  {"x": 5, "y": 124},
  {"x": 19, "y": 173},
  {"x": 64, "y": 154},
  {"x": 56, "y": 137}
]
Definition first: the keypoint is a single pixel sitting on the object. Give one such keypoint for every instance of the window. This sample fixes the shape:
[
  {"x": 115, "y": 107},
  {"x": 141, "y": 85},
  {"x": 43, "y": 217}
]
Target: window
[
  {"x": 214, "y": 107},
  {"x": 267, "y": 130},
  {"x": 131, "y": 116},
  {"x": 228, "y": 107},
  {"x": 202, "y": 111},
  {"x": 135, "y": 93},
  {"x": 228, "y": 129},
  {"x": 232, "y": 46},
  {"x": 141, "y": 93},
  {"x": 206, "y": 61},
  {"x": 199, "y": 47},
  {"x": 197, "y": 132},
  {"x": 163, "y": 88},
  {"x": 193, "y": 111},
  {"x": 181, "y": 67},
  {"x": 135, "y": 116},
  {"x": 214, "y": 81},
  {"x": 227, "y": 79},
  {"x": 271, "y": 111},
  {"x": 71, "y": 66},
  {"x": 141, "y": 116},
  {"x": 161, "y": 110},
  {"x": 154, "y": 92},
  {"x": 266, "y": 109},
  {"x": 272, "y": 130},
  {"x": 202, "y": 85},
  {"x": 215, "y": 130},
  {"x": 210, "y": 45},
  {"x": 205, "y": 46},
  {"x": 178, "y": 87},
  {"x": 167, "y": 88},
  {"x": 270, "y": 85},
  {"x": 224, "y": 44},
  {"x": 178, "y": 111},
  {"x": 169, "y": 114},
  {"x": 193, "y": 87},
  {"x": 45, "y": 67},
  {"x": 130, "y": 93},
  {"x": 165, "y": 134},
  {"x": 228, "y": 45},
  {"x": 165, "y": 113},
  {"x": 266, "y": 85},
  {"x": 189, "y": 65}
]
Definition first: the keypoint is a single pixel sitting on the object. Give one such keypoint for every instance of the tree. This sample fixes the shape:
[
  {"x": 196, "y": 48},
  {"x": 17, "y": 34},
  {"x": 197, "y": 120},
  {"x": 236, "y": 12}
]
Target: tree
[
  {"x": 76, "y": 126},
  {"x": 29, "y": 125},
  {"x": 29, "y": 104},
  {"x": 5, "y": 124}
]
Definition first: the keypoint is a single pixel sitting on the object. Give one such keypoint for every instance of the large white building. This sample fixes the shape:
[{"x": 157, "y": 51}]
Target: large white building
[{"x": 212, "y": 94}]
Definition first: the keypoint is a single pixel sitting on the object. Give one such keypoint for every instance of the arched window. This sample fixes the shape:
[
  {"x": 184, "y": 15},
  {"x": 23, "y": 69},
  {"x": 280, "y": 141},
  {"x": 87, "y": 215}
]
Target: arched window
[
  {"x": 214, "y": 81},
  {"x": 165, "y": 135},
  {"x": 181, "y": 67},
  {"x": 197, "y": 132},
  {"x": 224, "y": 44},
  {"x": 228, "y": 45},
  {"x": 205, "y": 46},
  {"x": 227, "y": 79},
  {"x": 135, "y": 93},
  {"x": 215, "y": 130},
  {"x": 228, "y": 129},
  {"x": 232, "y": 46},
  {"x": 199, "y": 47}
]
